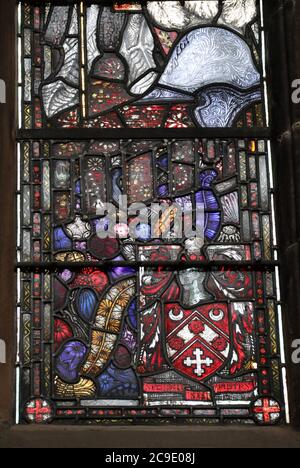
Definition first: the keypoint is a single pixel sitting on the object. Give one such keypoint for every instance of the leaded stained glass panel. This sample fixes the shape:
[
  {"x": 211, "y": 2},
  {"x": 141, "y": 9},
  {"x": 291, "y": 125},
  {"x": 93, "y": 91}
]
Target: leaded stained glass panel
[
  {"x": 215, "y": 186},
  {"x": 161, "y": 65},
  {"x": 148, "y": 278}
]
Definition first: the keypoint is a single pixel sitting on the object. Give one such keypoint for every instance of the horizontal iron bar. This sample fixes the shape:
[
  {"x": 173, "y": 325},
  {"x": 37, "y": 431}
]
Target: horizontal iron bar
[
  {"x": 145, "y": 134},
  {"x": 255, "y": 266},
  {"x": 86, "y": 2}
]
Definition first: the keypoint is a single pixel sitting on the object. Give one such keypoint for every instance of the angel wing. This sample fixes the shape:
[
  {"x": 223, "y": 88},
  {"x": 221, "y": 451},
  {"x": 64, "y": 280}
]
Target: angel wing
[
  {"x": 169, "y": 15},
  {"x": 70, "y": 68},
  {"x": 91, "y": 33},
  {"x": 238, "y": 13},
  {"x": 137, "y": 48},
  {"x": 173, "y": 15},
  {"x": 58, "y": 96},
  {"x": 107, "y": 325},
  {"x": 57, "y": 25},
  {"x": 203, "y": 10},
  {"x": 83, "y": 389}
]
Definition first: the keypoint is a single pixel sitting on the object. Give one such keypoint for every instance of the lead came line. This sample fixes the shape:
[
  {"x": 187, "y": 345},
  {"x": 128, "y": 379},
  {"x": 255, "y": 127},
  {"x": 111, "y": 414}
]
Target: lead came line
[{"x": 83, "y": 59}]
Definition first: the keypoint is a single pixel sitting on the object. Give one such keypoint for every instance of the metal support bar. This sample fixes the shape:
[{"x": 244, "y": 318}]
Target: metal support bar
[
  {"x": 150, "y": 134},
  {"x": 48, "y": 266}
]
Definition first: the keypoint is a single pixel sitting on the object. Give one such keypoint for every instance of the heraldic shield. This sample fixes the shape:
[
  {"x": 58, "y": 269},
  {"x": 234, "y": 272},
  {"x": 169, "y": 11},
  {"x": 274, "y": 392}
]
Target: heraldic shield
[{"x": 198, "y": 340}]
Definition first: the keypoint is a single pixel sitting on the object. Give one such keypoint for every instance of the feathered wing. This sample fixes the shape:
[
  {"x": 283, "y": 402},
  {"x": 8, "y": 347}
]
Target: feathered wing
[
  {"x": 169, "y": 14},
  {"x": 238, "y": 13},
  {"x": 91, "y": 30},
  {"x": 137, "y": 48},
  {"x": 107, "y": 326},
  {"x": 70, "y": 68},
  {"x": 83, "y": 389},
  {"x": 203, "y": 10},
  {"x": 59, "y": 96},
  {"x": 57, "y": 25}
]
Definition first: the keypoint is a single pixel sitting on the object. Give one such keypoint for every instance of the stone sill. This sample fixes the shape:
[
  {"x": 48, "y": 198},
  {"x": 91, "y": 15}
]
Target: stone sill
[{"x": 173, "y": 437}]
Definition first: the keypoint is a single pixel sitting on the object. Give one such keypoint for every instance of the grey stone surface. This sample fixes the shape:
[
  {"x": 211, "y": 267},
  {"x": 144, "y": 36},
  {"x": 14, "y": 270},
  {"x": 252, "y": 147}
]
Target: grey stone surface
[{"x": 175, "y": 437}]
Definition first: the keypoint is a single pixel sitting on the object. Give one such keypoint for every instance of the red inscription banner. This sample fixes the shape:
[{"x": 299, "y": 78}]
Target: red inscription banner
[
  {"x": 234, "y": 387},
  {"x": 163, "y": 388},
  {"x": 197, "y": 396}
]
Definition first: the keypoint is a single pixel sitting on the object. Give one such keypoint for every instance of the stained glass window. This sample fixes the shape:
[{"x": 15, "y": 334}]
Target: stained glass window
[{"x": 147, "y": 255}]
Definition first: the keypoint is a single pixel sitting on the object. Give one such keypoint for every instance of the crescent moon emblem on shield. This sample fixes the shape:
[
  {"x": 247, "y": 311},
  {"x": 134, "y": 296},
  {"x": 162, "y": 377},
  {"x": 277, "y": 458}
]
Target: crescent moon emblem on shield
[
  {"x": 216, "y": 315},
  {"x": 176, "y": 318}
]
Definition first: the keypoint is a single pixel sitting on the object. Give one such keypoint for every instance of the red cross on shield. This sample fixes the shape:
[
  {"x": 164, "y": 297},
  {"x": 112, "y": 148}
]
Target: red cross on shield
[{"x": 198, "y": 340}]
